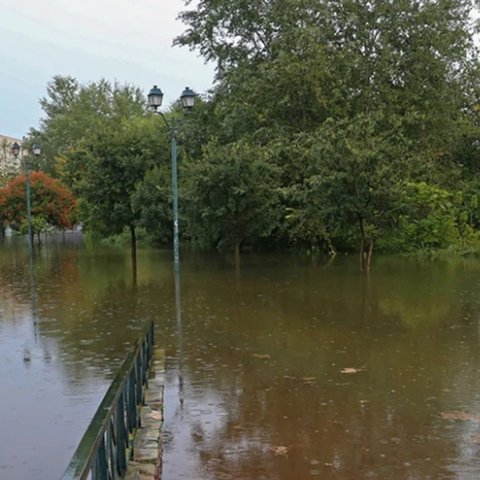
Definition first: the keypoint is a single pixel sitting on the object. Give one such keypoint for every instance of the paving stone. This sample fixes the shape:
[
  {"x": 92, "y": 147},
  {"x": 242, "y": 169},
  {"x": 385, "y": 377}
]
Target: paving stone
[
  {"x": 157, "y": 383},
  {"x": 152, "y": 419},
  {"x": 151, "y": 423},
  {"x": 152, "y": 433},
  {"x": 147, "y": 454},
  {"x": 145, "y": 410},
  {"x": 144, "y": 468},
  {"x": 154, "y": 395},
  {"x": 144, "y": 446},
  {"x": 140, "y": 476},
  {"x": 132, "y": 475}
]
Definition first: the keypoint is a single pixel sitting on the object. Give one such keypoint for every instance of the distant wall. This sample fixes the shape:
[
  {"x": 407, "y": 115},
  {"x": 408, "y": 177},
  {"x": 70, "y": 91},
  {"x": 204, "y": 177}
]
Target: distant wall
[{"x": 9, "y": 165}]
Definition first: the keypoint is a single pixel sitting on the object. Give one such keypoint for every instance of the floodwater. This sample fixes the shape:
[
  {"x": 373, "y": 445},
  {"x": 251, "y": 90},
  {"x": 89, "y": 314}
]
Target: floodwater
[{"x": 285, "y": 369}]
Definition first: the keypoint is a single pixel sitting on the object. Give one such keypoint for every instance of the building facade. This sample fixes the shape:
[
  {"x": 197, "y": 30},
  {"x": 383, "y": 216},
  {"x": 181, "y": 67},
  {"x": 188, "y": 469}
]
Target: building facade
[{"x": 9, "y": 165}]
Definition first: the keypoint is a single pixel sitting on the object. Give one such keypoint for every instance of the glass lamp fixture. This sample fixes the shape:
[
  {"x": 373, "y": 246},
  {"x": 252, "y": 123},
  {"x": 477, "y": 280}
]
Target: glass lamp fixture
[
  {"x": 155, "y": 97},
  {"x": 188, "y": 98}
]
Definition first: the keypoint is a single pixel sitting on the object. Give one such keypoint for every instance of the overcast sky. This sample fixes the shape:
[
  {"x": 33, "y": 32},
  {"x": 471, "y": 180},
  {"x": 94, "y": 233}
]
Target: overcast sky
[{"x": 125, "y": 40}]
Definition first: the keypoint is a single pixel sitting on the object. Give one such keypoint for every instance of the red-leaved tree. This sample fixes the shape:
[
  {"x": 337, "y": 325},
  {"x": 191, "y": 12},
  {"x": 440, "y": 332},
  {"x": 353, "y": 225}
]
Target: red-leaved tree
[{"x": 52, "y": 203}]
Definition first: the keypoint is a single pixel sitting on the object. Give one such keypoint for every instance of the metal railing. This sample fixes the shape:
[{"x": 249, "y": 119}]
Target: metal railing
[{"x": 107, "y": 445}]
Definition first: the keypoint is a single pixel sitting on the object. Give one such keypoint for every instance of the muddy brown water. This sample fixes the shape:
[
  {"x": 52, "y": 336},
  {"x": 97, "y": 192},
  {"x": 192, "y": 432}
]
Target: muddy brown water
[{"x": 286, "y": 369}]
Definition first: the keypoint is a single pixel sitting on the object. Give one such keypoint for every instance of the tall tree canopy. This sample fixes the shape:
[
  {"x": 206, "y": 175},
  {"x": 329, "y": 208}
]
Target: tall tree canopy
[
  {"x": 110, "y": 170},
  {"x": 330, "y": 122},
  {"x": 234, "y": 195},
  {"x": 74, "y": 113},
  {"x": 100, "y": 140},
  {"x": 368, "y": 94}
]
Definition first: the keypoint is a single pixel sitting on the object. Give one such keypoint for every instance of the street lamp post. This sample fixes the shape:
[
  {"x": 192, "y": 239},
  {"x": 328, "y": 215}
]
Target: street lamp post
[
  {"x": 155, "y": 98},
  {"x": 16, "y": 152},
  {"x": 37, "y": 150}
]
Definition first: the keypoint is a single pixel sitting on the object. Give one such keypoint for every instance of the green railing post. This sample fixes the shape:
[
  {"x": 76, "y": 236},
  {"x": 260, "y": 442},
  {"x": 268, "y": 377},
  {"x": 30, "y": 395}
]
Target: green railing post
[
  {"x": 101, "y": 472},
  {"x": 122, "y": 439},
  {"x": 132, "y": 402}
]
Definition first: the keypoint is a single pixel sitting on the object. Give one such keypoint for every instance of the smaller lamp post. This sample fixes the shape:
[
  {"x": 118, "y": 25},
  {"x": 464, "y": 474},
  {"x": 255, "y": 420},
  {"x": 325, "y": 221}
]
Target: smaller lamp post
[
  {"x": 155, "y": 98},
  {"x": 37, "y": 150},
  {"x": 16, "y": 152}
]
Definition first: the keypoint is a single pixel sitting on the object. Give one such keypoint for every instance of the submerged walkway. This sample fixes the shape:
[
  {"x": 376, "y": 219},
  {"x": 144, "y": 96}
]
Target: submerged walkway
[{"x": 147, "y": 458}]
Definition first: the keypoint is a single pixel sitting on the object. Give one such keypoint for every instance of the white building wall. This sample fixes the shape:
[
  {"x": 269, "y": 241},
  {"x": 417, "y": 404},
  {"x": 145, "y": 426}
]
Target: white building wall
[{"x": 9, "y": 165}]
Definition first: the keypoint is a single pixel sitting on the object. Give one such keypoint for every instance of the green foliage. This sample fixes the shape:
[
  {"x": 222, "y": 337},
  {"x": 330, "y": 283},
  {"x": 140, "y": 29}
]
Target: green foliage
[
  {"x": 358, "y": 166},
  {"x": 53, "y": 205},
  {"x": 153, "y": 200},
  {"x": 355, "y": 98},
  {"x": 340, "y": 183},
  {"x": 233, "y": 195},
  {"x": 430, "y": 217},
  {"x": 119, "y": 239},
  {"x": 39, "y": 225},
  {"x": 100, "y": 141},
  {"x": 74, "y": 114},
  {"x": 332, "y": 126},
  {"x": 114, "y": 164}
]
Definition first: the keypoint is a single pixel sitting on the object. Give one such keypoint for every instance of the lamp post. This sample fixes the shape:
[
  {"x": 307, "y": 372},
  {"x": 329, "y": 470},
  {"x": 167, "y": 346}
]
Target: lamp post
[
  {"x": 37, "y": 150},
  {"x": 155, "y": 98},
  {"x": 16, "y": 152}
]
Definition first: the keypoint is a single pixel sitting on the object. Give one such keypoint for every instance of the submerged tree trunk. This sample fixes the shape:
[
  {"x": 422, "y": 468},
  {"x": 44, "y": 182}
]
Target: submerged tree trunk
[
  {"x": 370, "y": 252},
  {"x": 362, "y": 243},
  {"x": 237, "y": 255},
  {"x": 133, "y": 243},
  {"x": 365, "y": 254},
  {"x": 331, "y": 251}
]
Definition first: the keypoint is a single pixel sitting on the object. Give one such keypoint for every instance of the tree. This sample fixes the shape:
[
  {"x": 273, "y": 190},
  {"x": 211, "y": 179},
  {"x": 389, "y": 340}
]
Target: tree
[
  {"x": 321, "y": 114},
  {"x": 153, "y": 201},
  {"x": 93, "y": 138},
  {"x": 75, "y": 113},
  {"x": 53, "y": 205},
  {"x": 108, "y": 171},
  {"x": 358, "y": 170},
  {"x": 430, "y": 217},
  {"x": 367, "y": 94},
  {"x": 233, "y": 195}
]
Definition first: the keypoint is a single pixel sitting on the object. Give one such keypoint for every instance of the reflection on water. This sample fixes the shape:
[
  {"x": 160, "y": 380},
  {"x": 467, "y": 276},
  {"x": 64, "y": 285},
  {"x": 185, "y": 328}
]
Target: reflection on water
[
  {"x": 60, "y": 345},
  {"x": 286, "y": 369},
  {"x": 263, "y": 360}
]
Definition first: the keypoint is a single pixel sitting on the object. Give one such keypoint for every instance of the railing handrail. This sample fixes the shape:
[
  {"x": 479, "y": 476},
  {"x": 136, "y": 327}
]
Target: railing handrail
[{"x": 131, "y": 370}]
